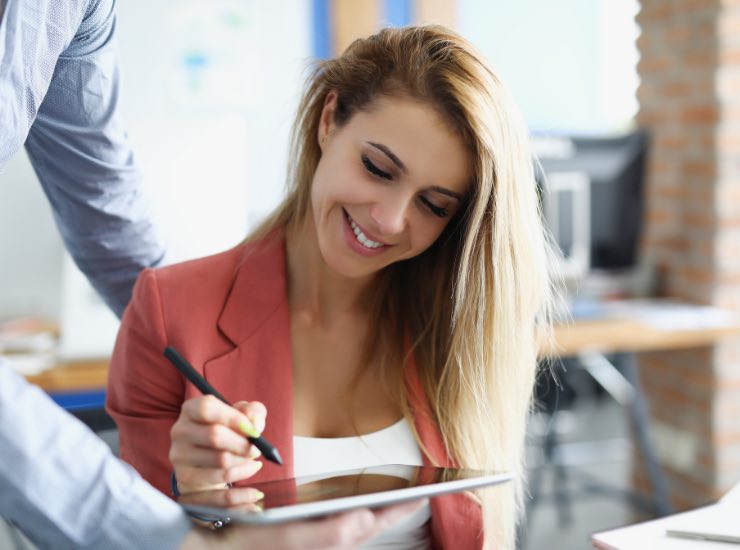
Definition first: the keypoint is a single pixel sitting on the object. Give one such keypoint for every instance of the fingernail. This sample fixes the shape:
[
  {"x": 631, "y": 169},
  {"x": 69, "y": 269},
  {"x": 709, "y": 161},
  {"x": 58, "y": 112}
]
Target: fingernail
[
  {"x": 254, "y": 467},
  {"x": 259, "y": 495},
  {"x": 247, "y": 429},
  {"x": 259, "y": 422}
]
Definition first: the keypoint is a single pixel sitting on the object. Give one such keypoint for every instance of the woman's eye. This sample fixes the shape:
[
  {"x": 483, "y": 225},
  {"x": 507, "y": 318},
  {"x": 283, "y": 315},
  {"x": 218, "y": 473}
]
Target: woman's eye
[
  {"x": 370, "y": 167},
  {"x": 434, "y": 209}
]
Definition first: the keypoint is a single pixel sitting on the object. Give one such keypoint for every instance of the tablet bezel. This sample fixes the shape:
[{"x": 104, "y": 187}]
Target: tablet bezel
[{"x": 475, "y": 479}]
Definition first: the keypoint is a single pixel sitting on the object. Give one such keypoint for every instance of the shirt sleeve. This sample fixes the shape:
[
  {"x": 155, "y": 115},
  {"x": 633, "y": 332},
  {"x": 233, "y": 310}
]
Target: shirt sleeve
[
  {"x": 61, "y": 485},
  {"x": 59, "y": 92}
]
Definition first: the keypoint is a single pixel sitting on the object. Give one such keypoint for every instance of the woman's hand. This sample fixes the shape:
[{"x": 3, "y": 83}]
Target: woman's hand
[{"x": 208, "y": 445}]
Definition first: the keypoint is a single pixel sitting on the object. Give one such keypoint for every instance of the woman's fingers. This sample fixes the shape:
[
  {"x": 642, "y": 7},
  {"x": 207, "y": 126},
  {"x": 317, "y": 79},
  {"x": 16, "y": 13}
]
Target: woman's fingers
[
  {"x": 255, "y": 411},
  {"x": 247, "y": 418},
  {"x": 203, "y": 457},
  {"x": 210, "y": 410},
  {"x": 194, "y": 478},
  {"x": 209, "y": 423},
  {"x": 210, "y": 436},
  {"x": 208, "y": 444},
  {"x": 243, "y": 471}
]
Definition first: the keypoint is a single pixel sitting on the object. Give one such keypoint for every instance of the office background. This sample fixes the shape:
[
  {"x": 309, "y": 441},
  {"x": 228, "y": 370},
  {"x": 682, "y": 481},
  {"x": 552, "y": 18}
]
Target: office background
[{"x": 209, "y": 91}]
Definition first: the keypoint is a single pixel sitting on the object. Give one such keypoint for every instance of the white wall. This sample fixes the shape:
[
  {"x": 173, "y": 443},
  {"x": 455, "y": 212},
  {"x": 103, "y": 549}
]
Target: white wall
[
  {"x": 30, "y": 247},
  {"x": 210, "y": 91},
  {"x": 570, "y": 64}
]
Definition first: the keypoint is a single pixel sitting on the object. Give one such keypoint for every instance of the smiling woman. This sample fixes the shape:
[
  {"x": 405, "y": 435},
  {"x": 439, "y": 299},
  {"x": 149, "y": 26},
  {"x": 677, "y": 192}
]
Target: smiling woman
[
  {"x": 398, "y": 285},
  {"x": 386, "y": 185}
]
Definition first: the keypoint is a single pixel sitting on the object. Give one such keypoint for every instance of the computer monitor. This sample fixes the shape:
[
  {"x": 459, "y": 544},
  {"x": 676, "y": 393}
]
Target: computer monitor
[
  {"x": 615, "y": 168},
  {"x": 566, "y": 205}
]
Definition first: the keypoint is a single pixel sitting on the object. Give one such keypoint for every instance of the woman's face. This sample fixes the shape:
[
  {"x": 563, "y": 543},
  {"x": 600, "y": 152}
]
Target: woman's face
[{"x": 387, "y": 184}]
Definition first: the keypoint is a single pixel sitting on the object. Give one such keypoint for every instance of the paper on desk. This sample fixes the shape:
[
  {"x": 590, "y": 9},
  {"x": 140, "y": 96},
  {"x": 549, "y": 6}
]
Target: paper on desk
[
  {"x": 671, "y": 315},
  {"x": 29, "y": 364},
  {"x": 28, "y": 346}
]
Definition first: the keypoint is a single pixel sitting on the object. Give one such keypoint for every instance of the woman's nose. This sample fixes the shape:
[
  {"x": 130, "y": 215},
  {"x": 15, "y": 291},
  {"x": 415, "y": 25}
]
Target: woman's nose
[{"x": 390, "y": 215}]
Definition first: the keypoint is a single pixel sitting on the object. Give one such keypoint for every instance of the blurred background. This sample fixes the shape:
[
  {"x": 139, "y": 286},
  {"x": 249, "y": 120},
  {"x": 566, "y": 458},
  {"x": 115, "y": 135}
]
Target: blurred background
[{"x": 634, "y": 110}]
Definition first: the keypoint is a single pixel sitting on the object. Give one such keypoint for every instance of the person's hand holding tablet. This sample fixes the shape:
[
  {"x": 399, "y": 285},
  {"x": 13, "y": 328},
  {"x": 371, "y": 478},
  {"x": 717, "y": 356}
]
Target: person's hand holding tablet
[{"x": 338, "y": 532}]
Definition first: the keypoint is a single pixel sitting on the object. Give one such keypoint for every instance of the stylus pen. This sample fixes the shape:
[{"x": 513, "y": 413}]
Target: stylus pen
[{"x": 268, "y": 451}]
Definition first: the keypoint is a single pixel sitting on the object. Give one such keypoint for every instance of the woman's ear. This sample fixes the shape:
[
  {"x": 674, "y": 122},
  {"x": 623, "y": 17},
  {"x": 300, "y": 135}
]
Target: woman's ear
[{"x": 326, "y": 122}]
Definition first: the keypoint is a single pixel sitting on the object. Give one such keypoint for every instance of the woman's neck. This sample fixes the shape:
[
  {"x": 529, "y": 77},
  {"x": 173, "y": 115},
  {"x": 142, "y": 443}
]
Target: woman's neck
[{"x": 315, "y": 291}]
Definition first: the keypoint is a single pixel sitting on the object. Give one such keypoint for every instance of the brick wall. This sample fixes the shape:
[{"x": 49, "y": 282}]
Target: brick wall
[{"x": 690, "y": 102}]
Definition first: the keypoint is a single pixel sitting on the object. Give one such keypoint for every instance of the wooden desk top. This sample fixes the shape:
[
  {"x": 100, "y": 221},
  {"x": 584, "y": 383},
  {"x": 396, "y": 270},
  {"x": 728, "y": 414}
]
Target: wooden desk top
[
  {"x": 73, "y": 376},
  {"x": 623, "y": 335}
]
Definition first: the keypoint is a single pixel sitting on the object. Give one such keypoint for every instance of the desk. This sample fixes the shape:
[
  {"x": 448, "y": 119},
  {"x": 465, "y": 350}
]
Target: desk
[
  {"x": 632, "y": 336},
  {"x": 73, "y": 376},
  {"x": 79, "y": 387},
  {"x": 640, "y": 326}
]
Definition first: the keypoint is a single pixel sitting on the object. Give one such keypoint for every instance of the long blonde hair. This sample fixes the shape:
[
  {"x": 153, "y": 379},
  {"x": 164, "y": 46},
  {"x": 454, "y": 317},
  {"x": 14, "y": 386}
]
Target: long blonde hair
[{"x": 470, "y": 304}]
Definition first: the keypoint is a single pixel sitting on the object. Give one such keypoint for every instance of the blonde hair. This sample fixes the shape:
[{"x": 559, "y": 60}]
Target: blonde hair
[{"x": 469, "y": 305}]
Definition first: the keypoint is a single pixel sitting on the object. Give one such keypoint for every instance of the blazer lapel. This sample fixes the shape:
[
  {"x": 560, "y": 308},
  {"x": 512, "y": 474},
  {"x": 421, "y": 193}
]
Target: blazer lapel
[{"x": 256, "y": 319}]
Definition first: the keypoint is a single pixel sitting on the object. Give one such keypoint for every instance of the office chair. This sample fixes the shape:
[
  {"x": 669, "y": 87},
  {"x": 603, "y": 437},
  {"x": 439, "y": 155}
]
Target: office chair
[{"x": 561, "y": 385}]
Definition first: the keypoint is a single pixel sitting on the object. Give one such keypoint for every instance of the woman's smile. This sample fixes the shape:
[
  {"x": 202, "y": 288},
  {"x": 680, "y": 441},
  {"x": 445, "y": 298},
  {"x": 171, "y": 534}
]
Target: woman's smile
[{"x": 359, "y": 239}]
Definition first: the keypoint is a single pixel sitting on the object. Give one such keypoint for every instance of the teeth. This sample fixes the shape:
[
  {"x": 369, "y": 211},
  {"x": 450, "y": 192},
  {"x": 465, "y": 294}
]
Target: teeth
[{"x": 364, "y": 241}]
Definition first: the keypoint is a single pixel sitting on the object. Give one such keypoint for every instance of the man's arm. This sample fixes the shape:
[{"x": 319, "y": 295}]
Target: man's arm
[
  {"x": 62, "y": 486},
  {"x": 32, "y": 37},
  {"x": 60, "y": 66}
]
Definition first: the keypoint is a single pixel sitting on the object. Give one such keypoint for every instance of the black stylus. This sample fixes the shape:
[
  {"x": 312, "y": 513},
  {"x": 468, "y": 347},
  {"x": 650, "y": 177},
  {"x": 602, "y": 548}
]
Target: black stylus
[{"x": 268, "y": 451}]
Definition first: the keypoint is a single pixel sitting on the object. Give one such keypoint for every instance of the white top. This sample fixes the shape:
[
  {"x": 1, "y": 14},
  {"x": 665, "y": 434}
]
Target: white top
[{"x": 314, "y": 456}]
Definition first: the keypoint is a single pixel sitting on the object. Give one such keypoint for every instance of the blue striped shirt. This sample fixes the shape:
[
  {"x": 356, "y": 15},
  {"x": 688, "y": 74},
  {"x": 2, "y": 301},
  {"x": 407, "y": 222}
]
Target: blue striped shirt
[
  {"x": 59, "y": 93},
  {"x": 62, "y": 486}
]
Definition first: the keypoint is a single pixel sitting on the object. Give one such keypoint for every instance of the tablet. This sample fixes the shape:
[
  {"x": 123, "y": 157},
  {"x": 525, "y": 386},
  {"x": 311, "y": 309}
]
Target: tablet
[{"x": 320, "y": 495}]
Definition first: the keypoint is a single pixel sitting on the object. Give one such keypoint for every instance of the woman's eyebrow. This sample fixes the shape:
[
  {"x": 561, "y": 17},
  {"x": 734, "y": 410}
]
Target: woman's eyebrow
[
  {"x": 390, "y": 154},
  {"x": 445, "y": 191}
]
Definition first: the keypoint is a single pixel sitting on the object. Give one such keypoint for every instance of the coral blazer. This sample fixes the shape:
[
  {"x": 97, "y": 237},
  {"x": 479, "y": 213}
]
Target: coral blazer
[{"x": 228, "y": 314}]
